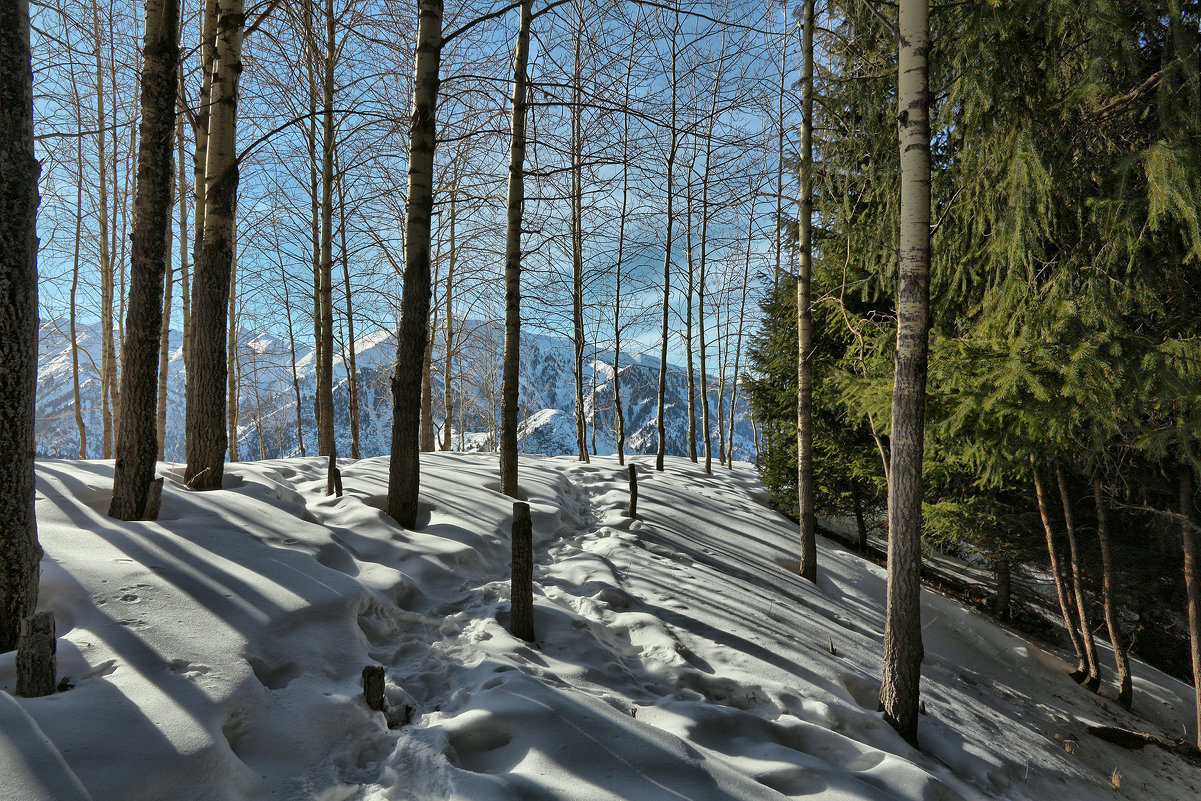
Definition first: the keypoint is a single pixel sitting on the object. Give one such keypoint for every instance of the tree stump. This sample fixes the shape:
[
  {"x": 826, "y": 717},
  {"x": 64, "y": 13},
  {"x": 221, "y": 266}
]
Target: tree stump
[
  {"x": 154, "y": 499},
  {"x": 633, "y": 472},
  {"x": 521, "y": 584},
  {"x": 373, "y": 687},
  {"x": 35, "y": 656}
]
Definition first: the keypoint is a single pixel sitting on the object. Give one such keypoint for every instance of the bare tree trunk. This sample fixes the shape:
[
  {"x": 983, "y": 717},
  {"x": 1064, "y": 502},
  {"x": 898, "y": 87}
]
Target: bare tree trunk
[
  {"x": 325, "y": 362},
  {"x": 899, "y": 689},
  {"x": 185, "y": 280},
  {"x": 780, "y": 153},
  {"x": 404, "y": 480},
  {"x": 137, "y": 440},
  {"x": 1121, "y": 661},
  {"x": 511, "y": 364},
  {"x": 618, "y": 409},
  {"x": 107, "y": 346},
  {"x": 200, "y": 130},
  {"x": 448, "y": 336},
  {"x": 1065, "y": 607},
  {"x": 1093, "y": 681},
  {"x": 83, "y": 433},
  {"x": 746, "y": 277},
  {"x": 805, "y": 479},
  {"x": 700, "y": 302},
  {"x": 689, "y": 293},
  {"x": 205, "y": 429},
  {"x": 1192, "y": 583},
  {"x": 660, "y": 409},
  {"x": 19, "y": 548},
  {"x": 427, "y": 387},
  {"x": 577, "y": 240},
  {"x": 231, "y": 358},
  {"x": 352, "y": 370},
  {"x": 283, "y": 279},
  {"x": 164, "y": 336}
]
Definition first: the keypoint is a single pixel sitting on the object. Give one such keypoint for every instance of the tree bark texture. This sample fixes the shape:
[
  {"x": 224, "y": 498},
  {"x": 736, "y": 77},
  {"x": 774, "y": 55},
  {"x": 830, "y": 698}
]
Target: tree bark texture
[
  {"x": 511, "y": 360},
  {"x": 1061, "y": 592},
  {"x": 19, "y": 549},
  {"x": 137, "y": 437},
  {"x": 36, "y": 662},
  {"x": 1093, "y": 680},
  {"x": 1121, "y": 660},
  {"x": 521, "y": 582},
  {"x": 404, "y": 480},
  {"x": 804, "y": 428},
  {"x": 206, "y": 377},
  {"x": 902, "y": 627},
  {"x": 325, "y": 361}
]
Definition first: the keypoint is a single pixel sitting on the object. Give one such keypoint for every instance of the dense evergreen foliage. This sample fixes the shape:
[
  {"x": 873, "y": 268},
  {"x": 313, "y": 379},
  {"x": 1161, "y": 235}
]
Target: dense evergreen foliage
[{"x": 1065, "y": 287}]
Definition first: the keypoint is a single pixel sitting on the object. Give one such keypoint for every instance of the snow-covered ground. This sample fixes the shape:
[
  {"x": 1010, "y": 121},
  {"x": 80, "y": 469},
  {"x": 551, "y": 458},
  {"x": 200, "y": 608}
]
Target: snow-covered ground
[{"x": 217, "y": 653}]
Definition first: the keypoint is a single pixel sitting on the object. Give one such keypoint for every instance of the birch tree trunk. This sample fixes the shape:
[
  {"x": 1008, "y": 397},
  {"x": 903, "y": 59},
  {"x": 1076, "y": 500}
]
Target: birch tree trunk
[
  {"x": 804, "y": 428},
  {"x": 510, "y": 367},
  {"x": 19, "y": 549},
  {"x": 899, "y": 689},
  {"x": 206, "y": 376},
  {"x": 137, "y": 439},
  {"x": 404, "y": 479}
]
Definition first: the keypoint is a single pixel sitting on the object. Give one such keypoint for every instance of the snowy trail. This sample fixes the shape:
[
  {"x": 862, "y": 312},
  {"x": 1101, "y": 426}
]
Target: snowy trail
[{"x": 677, "y": 656}]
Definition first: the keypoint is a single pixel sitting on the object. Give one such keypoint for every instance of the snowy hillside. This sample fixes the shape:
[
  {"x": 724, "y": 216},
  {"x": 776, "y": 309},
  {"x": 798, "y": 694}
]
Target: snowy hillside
[
  {"x": 216, "y": 653},
  {"x": 267, "y": 399}
]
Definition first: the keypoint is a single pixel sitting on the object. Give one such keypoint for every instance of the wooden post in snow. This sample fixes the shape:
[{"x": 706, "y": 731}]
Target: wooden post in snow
[
  {"x": 521, "y": 584},
  {"x": 633, "y": 471},
  {"x": 35, "y": 656}
]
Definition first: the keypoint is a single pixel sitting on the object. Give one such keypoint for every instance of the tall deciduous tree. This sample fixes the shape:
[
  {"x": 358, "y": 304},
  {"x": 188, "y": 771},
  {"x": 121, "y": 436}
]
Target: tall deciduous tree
[
  {"x": 899, "y": 687},
  {"x": 516, "y": 201},
  {"x": 206, "y": 375},
  {"x": 137, "y": 437},
  {"x": 19, "y": 549},
  {"x": 804, "y": 429},
  {"x": 404, "y": 467}
]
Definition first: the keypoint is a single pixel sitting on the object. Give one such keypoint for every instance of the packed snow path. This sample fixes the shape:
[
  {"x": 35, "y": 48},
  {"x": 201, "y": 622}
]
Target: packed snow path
[{"x": 216, "y": 653}]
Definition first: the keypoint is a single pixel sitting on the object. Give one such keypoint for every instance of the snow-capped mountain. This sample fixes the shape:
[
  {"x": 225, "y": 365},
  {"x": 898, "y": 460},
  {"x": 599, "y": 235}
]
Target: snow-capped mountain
[{"x": 267, "y": 396}]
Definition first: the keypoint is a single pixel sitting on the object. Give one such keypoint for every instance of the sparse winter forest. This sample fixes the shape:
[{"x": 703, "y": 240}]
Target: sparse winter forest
[{"x": 559, "y": 399}]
